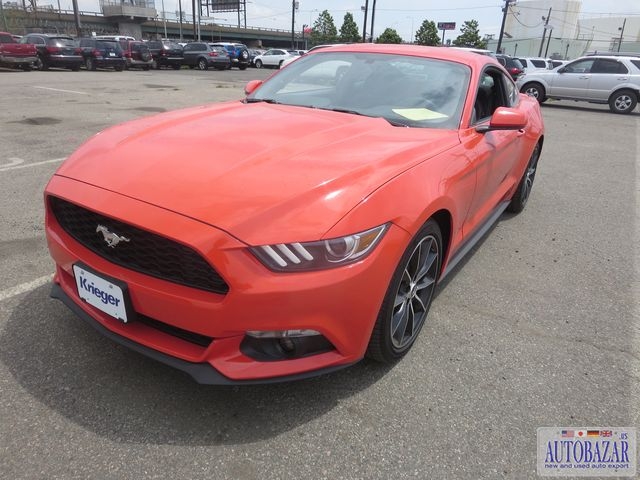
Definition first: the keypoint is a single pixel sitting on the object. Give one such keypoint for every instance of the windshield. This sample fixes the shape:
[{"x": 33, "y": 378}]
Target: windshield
[{"x": 404, "y": 90}]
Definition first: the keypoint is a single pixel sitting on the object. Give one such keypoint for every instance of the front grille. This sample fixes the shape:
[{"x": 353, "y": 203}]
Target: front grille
[{"x": 145, "y": 252}]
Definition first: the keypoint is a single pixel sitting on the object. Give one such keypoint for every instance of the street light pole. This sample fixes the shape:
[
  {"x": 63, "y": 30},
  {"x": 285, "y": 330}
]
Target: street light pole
[
  {"x": 364, "y": 27},
  {"x": 293, "y": 23},
  {"x": 373, "y": 17}
]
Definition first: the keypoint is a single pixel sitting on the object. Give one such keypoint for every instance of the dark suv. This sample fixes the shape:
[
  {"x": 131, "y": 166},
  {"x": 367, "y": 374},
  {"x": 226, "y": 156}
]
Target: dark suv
[
  {"x": 136, "y": 54},
  {"x": 238, "y": 53},
  {"x": 102, "y": 54},
  {"x": 165, "y": 53},
  {"x": 55, "y": 51},
  {"x": 513, "y": 65}
]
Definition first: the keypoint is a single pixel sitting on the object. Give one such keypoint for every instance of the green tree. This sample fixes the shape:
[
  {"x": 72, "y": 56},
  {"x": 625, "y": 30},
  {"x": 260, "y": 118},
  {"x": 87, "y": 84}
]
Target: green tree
[
  {"x": 427, "y": 34},
  {"x": 349, "y": 30},
  {"x": 324, "y": 29},
  {"x": 470, "y": 36},
  {"x": 389, "y": 36}
]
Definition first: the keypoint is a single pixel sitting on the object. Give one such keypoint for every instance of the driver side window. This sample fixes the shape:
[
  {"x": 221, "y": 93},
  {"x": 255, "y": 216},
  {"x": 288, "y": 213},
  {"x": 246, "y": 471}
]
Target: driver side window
[{"x": 495, "y": 90}]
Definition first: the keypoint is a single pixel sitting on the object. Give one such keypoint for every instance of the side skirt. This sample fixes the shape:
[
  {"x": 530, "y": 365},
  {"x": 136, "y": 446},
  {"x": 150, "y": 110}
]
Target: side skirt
[{"x": 475, "y": 238}]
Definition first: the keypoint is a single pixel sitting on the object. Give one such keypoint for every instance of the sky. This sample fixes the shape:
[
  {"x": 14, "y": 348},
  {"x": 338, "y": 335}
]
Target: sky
[{"x": 405, "y": 16}]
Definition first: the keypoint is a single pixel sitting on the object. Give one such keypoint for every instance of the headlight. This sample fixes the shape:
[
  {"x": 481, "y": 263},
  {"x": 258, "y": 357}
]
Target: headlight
[{"x": 335, "y": 252}]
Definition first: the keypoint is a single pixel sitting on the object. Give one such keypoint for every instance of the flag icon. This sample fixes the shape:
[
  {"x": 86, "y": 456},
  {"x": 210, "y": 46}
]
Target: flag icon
[
  {"x": 593, "y": 433},
  {"x": 568, "y": 433},
  {"x": 581, "y": 434},
  {"x": 606, "y": 433}
]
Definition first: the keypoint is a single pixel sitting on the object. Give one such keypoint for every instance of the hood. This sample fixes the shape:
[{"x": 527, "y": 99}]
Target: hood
[{"x": 263, "y": 173}]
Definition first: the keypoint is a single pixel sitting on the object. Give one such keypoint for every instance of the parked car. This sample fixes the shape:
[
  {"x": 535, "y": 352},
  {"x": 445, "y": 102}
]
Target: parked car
[
  {"x": 59, "y": 51},
  {"x": 558, "y": 63},
  {"x": 253, "y": 53},
  {"x": 238, "y": 53},
  {"x": 166, "y": 53},
  {"x": 136, "y": 55},
  {"x": 531, "y": 64},
  {"x": 320, "y": 240},
  {"x": 16, "y": 55},
  {"x": 273, "y": 58},
  {"x": 511, "y": 64},
  {"x": 605, "y": 79},
  {"x": 202, "y": 55},
  {"x": 102, "y": 54}
]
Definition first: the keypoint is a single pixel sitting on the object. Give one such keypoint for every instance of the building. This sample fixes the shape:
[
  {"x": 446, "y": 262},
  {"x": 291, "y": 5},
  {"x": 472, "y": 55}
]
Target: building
[{"x": 554, "y": 28}]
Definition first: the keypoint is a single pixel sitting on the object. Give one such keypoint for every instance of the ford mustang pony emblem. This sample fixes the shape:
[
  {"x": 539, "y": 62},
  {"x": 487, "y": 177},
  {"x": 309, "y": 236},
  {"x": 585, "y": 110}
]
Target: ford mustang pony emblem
[{"x": 111, "y": 238}]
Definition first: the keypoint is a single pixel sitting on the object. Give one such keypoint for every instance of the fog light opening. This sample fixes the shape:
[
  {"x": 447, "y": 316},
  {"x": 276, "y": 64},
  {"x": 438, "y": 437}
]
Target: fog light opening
[{"x": 273, "y": 345}]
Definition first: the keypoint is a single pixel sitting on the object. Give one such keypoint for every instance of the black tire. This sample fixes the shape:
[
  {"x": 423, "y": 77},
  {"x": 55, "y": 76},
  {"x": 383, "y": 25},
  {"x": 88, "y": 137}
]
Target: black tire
[
  {"x": 90, "y": 64},
  {"x": 535, "y": 90},
  {"x": 258, "y": 63},
  {"x": 203, "y": 64},
  {"x": 519, "y": 199},
  {"x": 41, "y": 64},
  {"x": 176, "y": 66},
  {"x": 406, "y": 304},
  {"x": 280, "y": 64},
  {"x": 623, "y": 101}
]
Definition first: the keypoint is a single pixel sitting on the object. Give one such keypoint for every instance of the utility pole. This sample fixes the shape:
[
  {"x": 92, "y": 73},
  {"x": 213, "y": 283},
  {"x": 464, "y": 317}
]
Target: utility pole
[
  {"x": 364, "y": 27},
  {"x": 505, "y": 11},
  {"x": 373, "y": 17},
  {"x": 293, "y": 24},
  {"x": 544, "y": 31},
  {"x": 621, "y": 33},
  {"x": 193, "y": 9}
]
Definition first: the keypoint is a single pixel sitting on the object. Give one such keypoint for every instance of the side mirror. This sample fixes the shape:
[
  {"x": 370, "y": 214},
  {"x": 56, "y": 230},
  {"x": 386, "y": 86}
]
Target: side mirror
[
  {"x": 504, "y": 119},
  {"x": 252, "y": 86}
]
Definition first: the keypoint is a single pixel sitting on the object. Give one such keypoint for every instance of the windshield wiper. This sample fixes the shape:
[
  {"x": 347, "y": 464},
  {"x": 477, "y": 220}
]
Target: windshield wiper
[
  {"x": 342, "y": 110},
  {"x": 264, "y": 100}
]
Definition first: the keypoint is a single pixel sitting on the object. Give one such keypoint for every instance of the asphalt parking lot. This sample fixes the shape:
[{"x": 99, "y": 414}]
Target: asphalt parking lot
[{"x": 540, "y": 326}]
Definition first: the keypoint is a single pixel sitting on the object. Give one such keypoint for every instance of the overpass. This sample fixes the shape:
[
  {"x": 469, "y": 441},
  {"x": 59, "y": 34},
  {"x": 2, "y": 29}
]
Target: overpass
[{"x": 17, "y": 20}]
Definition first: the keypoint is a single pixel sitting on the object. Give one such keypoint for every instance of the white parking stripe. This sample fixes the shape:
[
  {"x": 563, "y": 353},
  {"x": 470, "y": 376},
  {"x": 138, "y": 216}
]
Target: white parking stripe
[
  {"x": 16, "y": 166},
  {"x": 24, "y": 287},
  {"x": 61, "y": 90}
]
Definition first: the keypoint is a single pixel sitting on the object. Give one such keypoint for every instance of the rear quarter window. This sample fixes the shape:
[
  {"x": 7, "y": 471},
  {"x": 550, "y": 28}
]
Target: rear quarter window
[{"x": 636, "y": 63}]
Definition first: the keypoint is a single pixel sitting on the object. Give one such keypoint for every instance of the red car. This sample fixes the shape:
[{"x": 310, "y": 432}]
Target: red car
[{"x": 372, "y": 170}]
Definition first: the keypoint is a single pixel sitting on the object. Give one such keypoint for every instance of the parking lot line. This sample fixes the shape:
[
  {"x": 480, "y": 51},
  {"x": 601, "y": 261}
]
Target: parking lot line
[
  {"x": 60, "y": 90},
  {"x": 24, "y": 287},
  {"x": 17, "y": 163}
]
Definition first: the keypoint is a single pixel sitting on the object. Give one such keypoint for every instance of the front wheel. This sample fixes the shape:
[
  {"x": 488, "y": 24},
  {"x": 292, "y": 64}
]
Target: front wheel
[
  {"x": 519, "y": 199},
  {"x": 408, "y": 298},
  {"x": 535, "y": 90},
  {"x": 623, "y": 101}
]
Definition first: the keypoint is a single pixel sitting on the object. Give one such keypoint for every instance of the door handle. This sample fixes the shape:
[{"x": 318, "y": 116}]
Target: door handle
[{"x": 584, "y": 78}]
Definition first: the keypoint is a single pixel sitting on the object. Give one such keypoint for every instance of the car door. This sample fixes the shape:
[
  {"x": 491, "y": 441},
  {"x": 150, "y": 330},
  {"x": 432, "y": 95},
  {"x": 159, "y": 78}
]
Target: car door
[
  {"x": 495, "y": 154},
  {"x": 572, "y": 81},
  {"x": 606, "y": 75},
  {"x": 191, "y": 51}
]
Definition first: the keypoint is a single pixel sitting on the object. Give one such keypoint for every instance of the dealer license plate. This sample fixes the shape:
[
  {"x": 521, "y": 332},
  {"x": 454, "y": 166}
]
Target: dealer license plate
[{"x": 102, "y": 294}]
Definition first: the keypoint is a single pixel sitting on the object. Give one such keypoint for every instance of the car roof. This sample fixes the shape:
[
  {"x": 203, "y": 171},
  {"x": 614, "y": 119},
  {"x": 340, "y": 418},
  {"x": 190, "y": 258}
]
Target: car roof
[{"x": 439, "y": 53}]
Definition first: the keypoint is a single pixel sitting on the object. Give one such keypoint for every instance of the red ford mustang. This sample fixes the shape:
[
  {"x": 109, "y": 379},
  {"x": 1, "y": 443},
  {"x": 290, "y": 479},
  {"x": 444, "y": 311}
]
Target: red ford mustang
[{"x": 372, "y": 170}]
